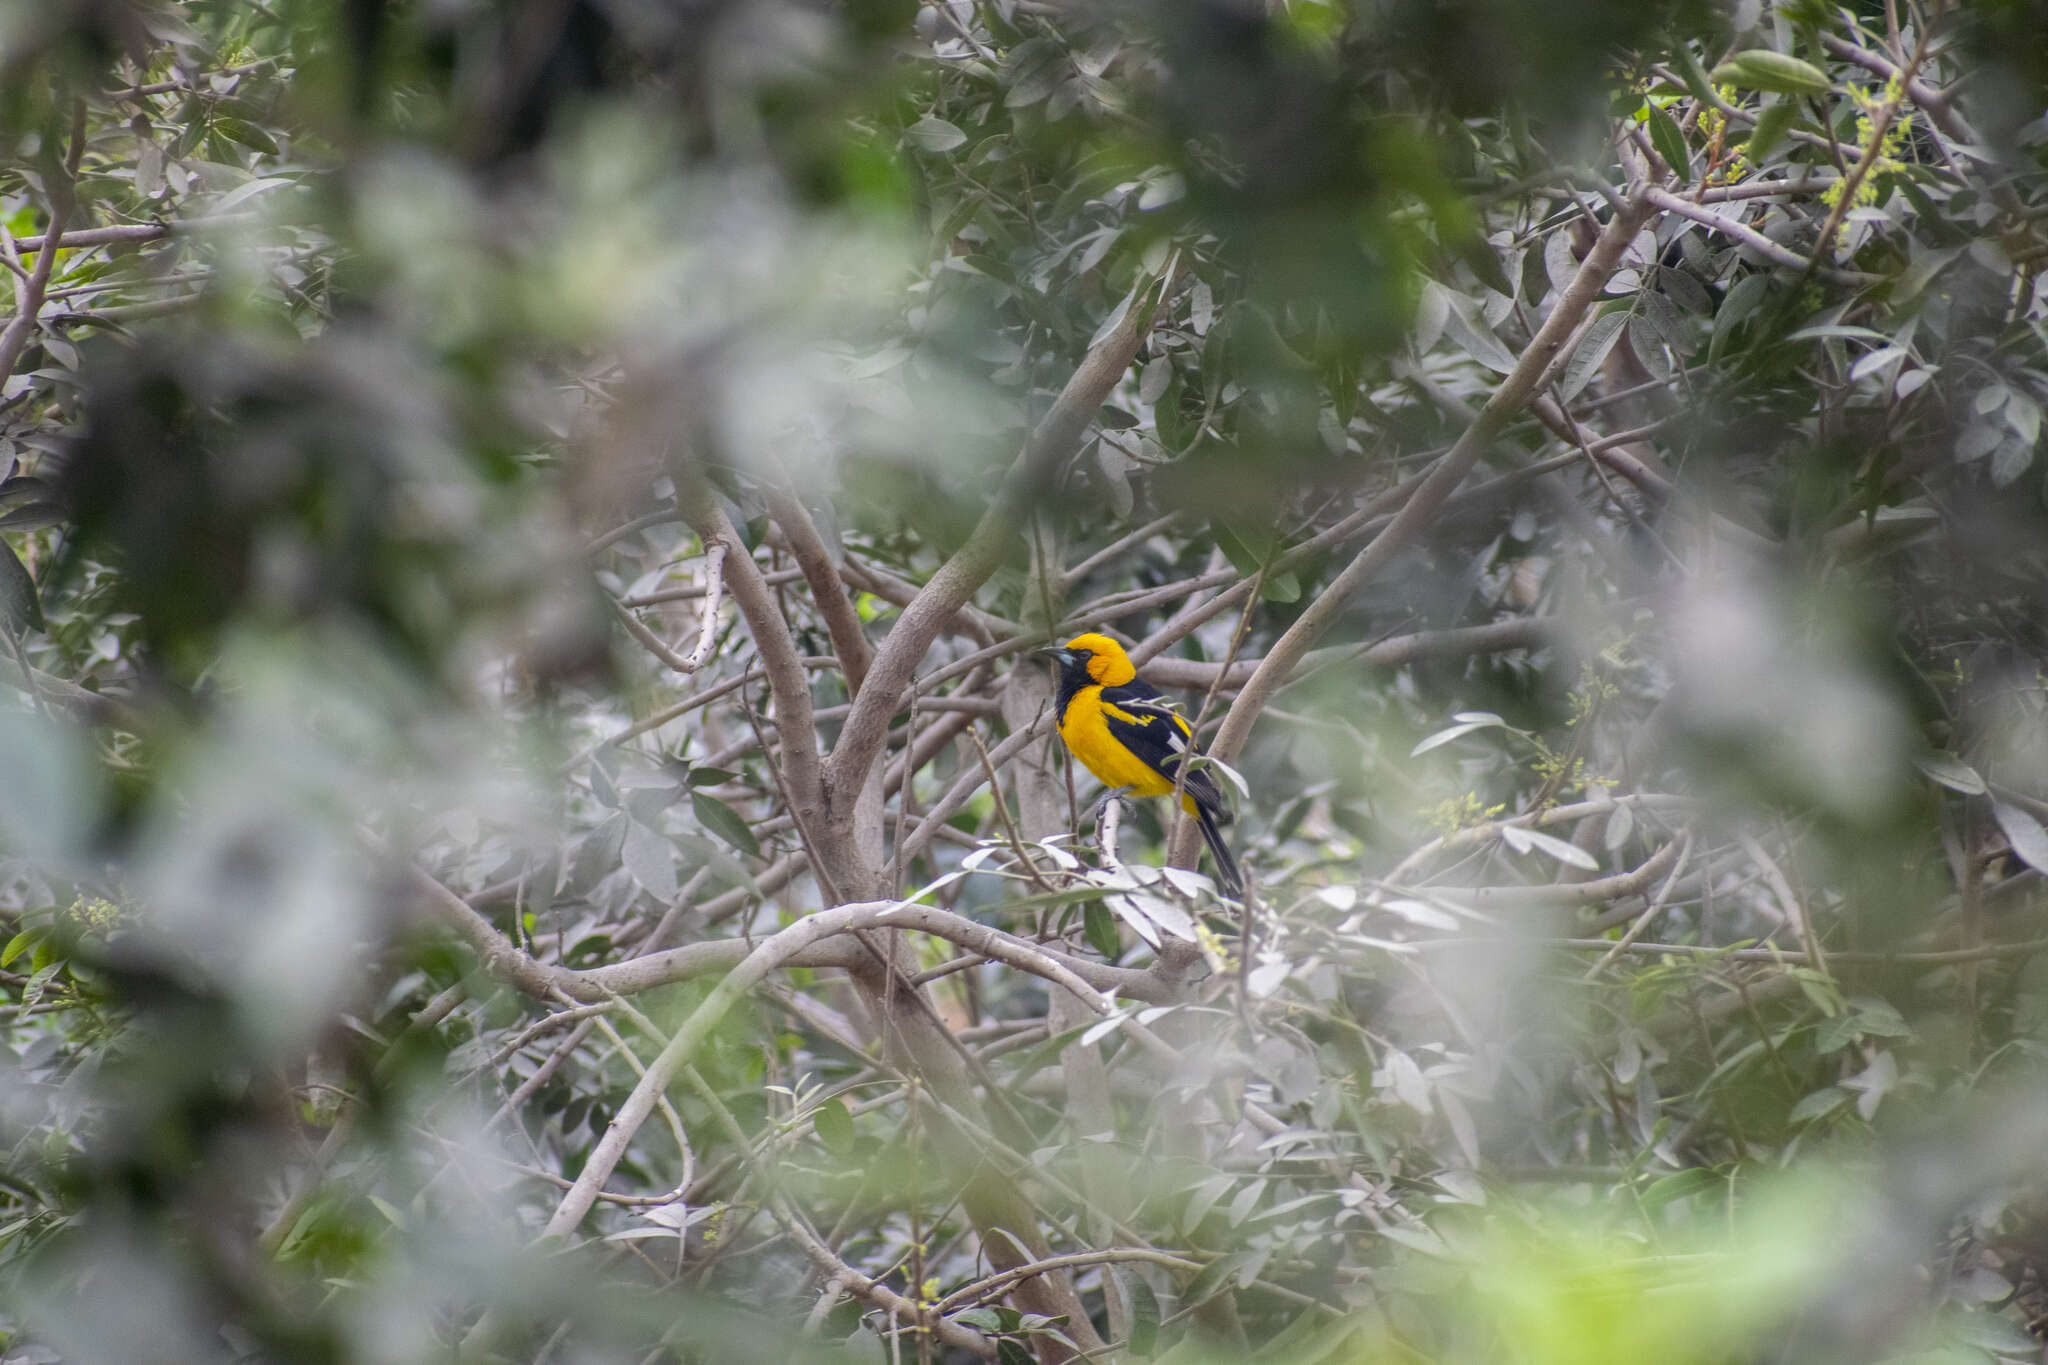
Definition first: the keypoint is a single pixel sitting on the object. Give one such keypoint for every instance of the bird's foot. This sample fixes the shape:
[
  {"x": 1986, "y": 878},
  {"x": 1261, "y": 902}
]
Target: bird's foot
[{"x": 1109, "y": 813}]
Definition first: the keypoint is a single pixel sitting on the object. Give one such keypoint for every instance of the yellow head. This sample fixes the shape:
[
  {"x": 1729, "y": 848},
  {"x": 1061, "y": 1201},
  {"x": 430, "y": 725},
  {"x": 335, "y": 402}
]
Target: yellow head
[{"x": 1096, "y": 657}]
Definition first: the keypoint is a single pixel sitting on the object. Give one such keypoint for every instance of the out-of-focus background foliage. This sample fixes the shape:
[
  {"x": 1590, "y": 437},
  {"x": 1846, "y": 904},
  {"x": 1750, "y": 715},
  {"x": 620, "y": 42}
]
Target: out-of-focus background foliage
[{"x": 528, "y": 823}]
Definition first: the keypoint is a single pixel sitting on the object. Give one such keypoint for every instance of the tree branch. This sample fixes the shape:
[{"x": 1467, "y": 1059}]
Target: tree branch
[
  {"x": 787, "y": 684},
  {"x": 1544, "y": 352},
  {"x": 849, "y": 641},
  {"x": 1055, "y": 438}
]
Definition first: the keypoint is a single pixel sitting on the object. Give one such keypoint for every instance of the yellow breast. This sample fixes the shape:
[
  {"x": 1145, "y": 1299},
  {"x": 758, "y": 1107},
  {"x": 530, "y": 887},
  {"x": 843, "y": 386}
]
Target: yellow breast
[{"x": 1089, "y": 739}]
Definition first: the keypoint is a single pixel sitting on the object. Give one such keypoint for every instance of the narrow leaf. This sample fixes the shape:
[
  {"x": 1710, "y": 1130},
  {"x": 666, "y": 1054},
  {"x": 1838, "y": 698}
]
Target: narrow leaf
[
  {"x": 650, "y": 860},
  {"x": 1763, "y": 69},
  {"x": 1773, "y": 123},
  {"x": 2029, "y": 841},
  {"x": 1876, "y": 360},
  {"x": 1670, "y": 143},
  {"x": 20, "y": 606},
  {"x": 834, "y": 1126},
  {"x": 1593, "y": 348},
  {"x": 934, "y": 134},
  {"x": 1099, "y": 923},
  {"x": 725, "y": 822},
  {"x": 1564, "y": 852},
  {"x": 1470, "y": 330},
  {"x": 246, "y": 133},
  {"x": 243, "y": 193},
  {"x": 1144, "y": 1310},
  {"x": 1953, "y": 773}
]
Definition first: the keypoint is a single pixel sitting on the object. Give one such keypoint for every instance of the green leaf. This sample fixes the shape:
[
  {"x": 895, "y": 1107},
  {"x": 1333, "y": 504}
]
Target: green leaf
[
  {"x": 1670, "y": 143},
  {"x": 246, "y": 133},
  {"x": 1281, "y": 587},
  {"x": 650, "y": 860},
  {"x": 1743, "y": 299},
  {"x": 32, "y": 990},
  {"x": 934, "y": 134},
  {"x": 21, "y": 943},
  {"x": 725, "y": 822},
  {"x": 709, "y": 777},
  {"x": 1031, "y": 70},
  {"x": 1099, "y": 924},
  {"x": 20, "y": 606},
  {"x": 1010, "y": 1351},
  {"x": 2029, "y": 841},
  {"x": 1879, "y": 1017},
  {"x": 1762, "y": 69},
  {"x": 1248, "y": 545},
  {"x": 1695, "y": 75},
  {"x": 25, "y": 488},
  {"x": 243, "y": 193},
  {"x": 1213, "y": 1279},
  {"x": 1522, "y": 840},
  {"x": 1467, "y": 722},
  {"x": 1478, "y": 253},
  {"x": 1144, "y": 1306},
  {"x": 33, "y": 516},
  {"x": 1676, "y": 1186},
  {"x": 1593, "y": 348},
  {"x": 1819, "y": 1104},
  {"x": 1468, "y": 328},
  {"x": 588, "y": 949},
  {"x": 1947, "y": 769},
  {"x": 1773, "y": 123},
  {"x": 834, "y": 1126},
  {"x": 1823, "y": 331}
]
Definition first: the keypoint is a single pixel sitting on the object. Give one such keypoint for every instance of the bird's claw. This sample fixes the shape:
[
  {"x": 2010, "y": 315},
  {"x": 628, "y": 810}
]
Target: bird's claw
[{"x": 1114, "y": 794}]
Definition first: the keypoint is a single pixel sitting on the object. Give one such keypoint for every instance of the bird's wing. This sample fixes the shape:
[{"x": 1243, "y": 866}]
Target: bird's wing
[{"x": 1141, "y": 718}]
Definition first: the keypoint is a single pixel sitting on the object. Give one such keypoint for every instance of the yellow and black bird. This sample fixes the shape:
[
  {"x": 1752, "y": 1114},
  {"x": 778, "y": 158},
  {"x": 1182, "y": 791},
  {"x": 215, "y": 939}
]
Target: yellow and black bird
[{"x": 1125, "y": 732}]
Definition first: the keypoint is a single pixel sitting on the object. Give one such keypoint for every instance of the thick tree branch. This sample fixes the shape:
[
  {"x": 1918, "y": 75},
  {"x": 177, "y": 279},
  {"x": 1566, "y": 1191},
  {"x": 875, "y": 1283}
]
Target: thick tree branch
[
  {"x": 1055, "y": 438},
  {"x": 28, "y": 295},
  {"x": 801, "y": 766},
  {"x": 849, "y": 641}
]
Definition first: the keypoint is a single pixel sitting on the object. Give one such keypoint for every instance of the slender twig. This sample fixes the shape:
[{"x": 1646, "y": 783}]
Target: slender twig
[
  {"x": 1788, "y": 901},
  {"x": 1009, "y": 825},
  {"x": 1794, "y": 956},
  {"x": 1650, "y": 912},
  {"x": 1757, "y": 242},
  {"x": 993, "y": 1286},
  {"x": 135, "y": 92},
  {"x": 1880, "y": 123},
  {"x": 1116, "y": 548},
  {"x": 131, "y": 232},
  {"x": 714, "y": 592}
]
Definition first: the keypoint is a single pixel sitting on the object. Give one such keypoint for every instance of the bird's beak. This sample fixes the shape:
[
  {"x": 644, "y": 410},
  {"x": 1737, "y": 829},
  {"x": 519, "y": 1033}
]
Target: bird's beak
[{"x": 1059, "y": 654}]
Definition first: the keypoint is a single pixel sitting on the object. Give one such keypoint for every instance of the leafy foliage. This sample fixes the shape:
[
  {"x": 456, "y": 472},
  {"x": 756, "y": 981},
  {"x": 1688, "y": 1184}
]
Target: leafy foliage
[{"x": 528, "y": 820}]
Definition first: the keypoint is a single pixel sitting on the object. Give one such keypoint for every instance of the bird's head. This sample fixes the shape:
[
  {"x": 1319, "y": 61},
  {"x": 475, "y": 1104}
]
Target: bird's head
[{"x": 1093, "y": 658}]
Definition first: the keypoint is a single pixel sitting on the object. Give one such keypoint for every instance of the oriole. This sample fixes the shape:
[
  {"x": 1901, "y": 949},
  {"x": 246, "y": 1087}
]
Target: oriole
[{"x": 1125, "y": 732}]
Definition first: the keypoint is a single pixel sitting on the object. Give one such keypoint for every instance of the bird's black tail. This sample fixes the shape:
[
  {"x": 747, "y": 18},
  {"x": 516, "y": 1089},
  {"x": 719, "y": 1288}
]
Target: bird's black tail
[{"x": 1227, "y": 874}]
